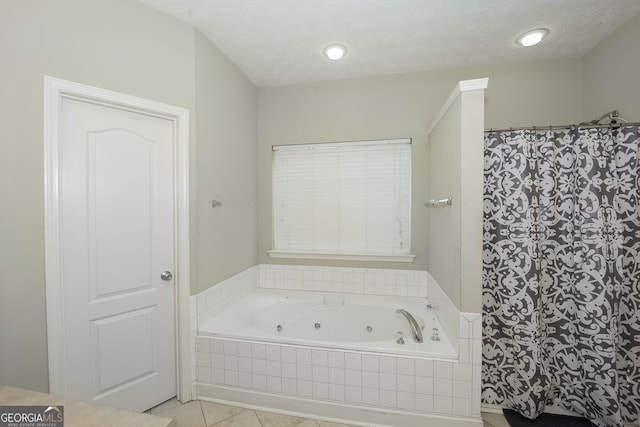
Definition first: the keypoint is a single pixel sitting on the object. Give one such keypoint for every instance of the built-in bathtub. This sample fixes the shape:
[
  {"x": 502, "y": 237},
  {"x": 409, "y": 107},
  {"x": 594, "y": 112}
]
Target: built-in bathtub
[
  {"x": 337, "y": 370},
  {"x": 334, "y": 321}
]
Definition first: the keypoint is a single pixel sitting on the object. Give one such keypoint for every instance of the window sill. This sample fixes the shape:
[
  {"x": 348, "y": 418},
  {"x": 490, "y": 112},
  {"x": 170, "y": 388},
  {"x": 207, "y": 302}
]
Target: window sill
[{"x": 341, "y": 257}]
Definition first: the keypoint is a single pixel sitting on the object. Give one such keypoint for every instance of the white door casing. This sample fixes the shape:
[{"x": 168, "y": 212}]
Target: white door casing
[{"x": 116, "y": 217}]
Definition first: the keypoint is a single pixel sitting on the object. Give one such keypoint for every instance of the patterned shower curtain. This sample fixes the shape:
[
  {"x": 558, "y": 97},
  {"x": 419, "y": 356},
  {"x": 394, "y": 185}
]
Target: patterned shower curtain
[{"x": 561, "y": 279}]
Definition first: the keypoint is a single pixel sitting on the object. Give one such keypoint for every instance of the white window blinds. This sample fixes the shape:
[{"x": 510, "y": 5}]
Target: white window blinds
[{"x": 343, "y": 198}]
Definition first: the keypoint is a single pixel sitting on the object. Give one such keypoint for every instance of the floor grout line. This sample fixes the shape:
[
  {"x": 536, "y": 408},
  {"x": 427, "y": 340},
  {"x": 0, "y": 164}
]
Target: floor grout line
[{"x": 204, "y": 419}]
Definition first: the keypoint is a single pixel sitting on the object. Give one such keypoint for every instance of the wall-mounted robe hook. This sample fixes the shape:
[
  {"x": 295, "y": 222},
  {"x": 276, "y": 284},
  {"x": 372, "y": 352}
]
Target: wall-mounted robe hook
[{"x": 215, "y": 203}]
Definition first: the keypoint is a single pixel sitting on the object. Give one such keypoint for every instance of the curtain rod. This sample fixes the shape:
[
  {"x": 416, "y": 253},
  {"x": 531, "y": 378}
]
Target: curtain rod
[
  {"x": 543, "y": 128},
  {"x": 615, "y": 121}
]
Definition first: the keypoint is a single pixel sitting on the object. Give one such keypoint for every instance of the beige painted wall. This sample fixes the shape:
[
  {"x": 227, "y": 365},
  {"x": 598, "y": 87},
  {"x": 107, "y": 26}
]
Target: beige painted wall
[
  {"x": 456, "y": 167},
  {"x": 125, "y": 46},
  {"x": 610, "y": 75},
  {"x": 226, "y": 168},
  {"x": 471, "y": 201},
  {"x": 545, "y": 92},
  {"x": 444, "y": 164}
]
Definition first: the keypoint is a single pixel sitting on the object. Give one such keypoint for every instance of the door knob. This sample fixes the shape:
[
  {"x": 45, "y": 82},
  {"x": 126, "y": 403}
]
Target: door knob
[{"x": 166, "y": 276}]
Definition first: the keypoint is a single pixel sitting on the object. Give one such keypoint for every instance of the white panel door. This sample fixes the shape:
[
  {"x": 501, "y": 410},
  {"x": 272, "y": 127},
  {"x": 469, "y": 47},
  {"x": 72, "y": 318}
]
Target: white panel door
[{"x": 117, "y": 240}]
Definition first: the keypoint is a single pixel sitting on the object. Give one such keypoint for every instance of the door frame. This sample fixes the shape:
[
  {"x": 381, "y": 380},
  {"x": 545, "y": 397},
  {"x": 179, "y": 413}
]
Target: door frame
[{"x": 55, "y": 90}]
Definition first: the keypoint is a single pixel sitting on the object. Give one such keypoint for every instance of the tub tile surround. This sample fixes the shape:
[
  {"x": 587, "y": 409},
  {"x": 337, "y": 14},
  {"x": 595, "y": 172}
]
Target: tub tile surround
[
  {"x": 216, "y": 299},
  {"x": 210, "y": 303},
  {"x": 449, "y": 315},
  {"x": 380, "y": 382},
  {"x": 365, "y": 281}
]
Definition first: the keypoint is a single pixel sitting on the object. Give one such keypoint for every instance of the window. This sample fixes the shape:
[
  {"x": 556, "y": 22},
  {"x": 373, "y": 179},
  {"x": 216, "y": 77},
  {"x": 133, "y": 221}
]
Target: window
[{"x": 347, "y": 200}]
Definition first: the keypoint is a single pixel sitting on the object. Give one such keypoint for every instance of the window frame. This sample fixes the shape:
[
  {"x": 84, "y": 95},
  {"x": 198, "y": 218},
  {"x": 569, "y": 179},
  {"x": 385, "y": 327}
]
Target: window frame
[{"x": 346, "y": 255}]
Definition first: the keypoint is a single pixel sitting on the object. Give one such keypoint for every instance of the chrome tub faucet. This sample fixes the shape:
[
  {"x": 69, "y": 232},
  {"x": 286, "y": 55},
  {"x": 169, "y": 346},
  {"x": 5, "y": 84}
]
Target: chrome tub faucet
[{"x": 415, "y": 328}]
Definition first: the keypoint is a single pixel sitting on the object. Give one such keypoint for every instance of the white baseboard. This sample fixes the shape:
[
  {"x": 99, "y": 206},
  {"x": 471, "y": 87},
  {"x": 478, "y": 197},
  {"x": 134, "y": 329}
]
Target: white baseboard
[
  {"x": 327, "y": 411},
  {"x": 492, "y": 409}
]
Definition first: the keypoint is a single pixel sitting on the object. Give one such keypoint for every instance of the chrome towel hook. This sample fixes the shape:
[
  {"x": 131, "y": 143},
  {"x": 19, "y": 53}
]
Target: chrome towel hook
[{"x": 433, "y": 203}]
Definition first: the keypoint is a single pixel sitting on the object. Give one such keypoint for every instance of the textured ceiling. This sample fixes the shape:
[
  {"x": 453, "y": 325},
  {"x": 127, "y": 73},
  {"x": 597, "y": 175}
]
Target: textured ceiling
[{"x": 278, "y": 42}]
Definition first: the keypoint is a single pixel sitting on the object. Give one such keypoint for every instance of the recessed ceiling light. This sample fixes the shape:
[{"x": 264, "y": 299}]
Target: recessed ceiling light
[
  {"x": 533, "y": 37},
  {"x": 335, "y": 51}
]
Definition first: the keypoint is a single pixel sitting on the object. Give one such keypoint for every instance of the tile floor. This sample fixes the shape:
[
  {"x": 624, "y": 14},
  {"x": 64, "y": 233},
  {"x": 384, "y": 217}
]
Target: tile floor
[
  {"x": 494, "y": 420},
  {"x": 207, "y": 414}
]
